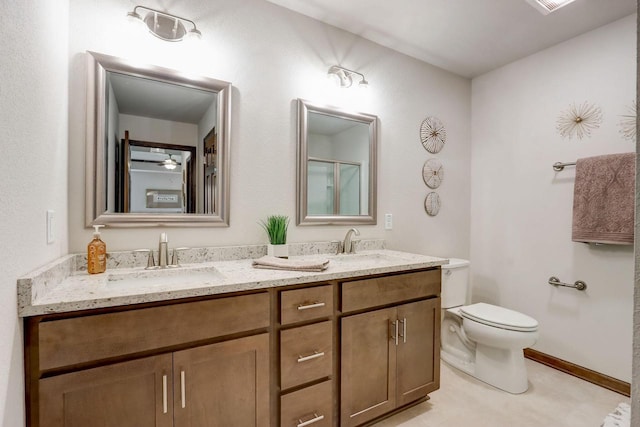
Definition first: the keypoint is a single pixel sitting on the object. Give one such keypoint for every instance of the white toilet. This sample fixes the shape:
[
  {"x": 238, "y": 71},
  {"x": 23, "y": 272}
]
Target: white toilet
[{"x": 483, "y": 340}]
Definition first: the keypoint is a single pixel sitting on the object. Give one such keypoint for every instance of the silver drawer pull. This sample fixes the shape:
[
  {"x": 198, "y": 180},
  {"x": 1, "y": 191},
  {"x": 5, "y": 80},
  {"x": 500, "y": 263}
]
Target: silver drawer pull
[
  {"x": 394, "y": 330},
  {"x": 315, "y": 419},
  {"x": 183, "y": 400},
  {"x": 315, "y": 355},
  {"x": 404, "y": 330},
  {"x": 316, "y": 304},
  {"x": 164, "y": 394}
]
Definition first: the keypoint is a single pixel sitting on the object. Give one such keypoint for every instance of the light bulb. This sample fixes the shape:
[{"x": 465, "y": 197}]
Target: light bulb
[
  {"x": 193, "y": 36},
  {"x": 136, "y": 22}
]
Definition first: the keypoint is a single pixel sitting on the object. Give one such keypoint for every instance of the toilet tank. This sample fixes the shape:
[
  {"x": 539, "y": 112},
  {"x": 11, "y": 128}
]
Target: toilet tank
[{"x": 455, "y": 283}]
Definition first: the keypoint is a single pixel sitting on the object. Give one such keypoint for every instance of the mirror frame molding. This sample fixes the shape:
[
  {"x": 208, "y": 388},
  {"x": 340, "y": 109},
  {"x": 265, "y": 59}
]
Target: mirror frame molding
[
  {"x": 302, "y": 216},
  {"x": 97, "y": 67}
]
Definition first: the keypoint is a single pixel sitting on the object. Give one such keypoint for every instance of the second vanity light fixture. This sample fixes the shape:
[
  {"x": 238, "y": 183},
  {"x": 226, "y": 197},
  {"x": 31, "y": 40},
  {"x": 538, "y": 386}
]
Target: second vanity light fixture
[
  {"x": 164, "y": 25},
  {"x": 344, "y": 77}
]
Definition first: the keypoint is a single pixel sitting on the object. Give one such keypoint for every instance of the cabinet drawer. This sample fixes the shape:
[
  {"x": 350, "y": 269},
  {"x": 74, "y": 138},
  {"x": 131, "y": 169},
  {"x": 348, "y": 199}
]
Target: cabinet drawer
[
  {"x": 306, "y": 304},
  {"x": 78, "y": 340},
  {"x": 306, "y": 354},
  {"x": 301, "y": 408},
  {"x": 366, "y": 293}
]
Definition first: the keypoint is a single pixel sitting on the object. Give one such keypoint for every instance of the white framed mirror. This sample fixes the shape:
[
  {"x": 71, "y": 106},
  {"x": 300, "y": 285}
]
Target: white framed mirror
[
  {"x": 337, "y": 165},
  {"x": 157, "y": 146}
]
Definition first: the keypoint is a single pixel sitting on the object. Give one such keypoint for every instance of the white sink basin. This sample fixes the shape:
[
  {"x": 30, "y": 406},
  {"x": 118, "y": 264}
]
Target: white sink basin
[
  {"x": 166, "y": 276},
  {"x": 364, "y": 258}
]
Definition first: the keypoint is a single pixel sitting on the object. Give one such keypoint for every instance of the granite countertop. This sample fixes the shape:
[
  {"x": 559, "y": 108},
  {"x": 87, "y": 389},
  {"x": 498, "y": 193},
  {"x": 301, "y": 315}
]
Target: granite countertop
[{"x": 65, "y": 286}]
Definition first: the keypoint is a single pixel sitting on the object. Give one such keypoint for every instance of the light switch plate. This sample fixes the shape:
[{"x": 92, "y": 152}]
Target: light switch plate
[
  {"x": 388, "y": 221},
  {"x": 51, "y": 237}
]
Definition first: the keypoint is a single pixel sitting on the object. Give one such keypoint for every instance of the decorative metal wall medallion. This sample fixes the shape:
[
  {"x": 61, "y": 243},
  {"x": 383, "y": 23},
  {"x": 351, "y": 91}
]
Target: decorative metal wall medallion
[
  {"x": 432, "y": 134},
  {"x": 628, "y": 122},
  {"x": 432, "y": 203},
  {"x": 433, "y": 173},
  {"x": 579, "y": 120}
]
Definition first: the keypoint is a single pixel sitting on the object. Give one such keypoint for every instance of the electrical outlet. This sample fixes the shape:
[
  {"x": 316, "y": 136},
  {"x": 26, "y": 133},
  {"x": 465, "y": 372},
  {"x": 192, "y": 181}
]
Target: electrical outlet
[
  {"x": 388, "y": 221},
  {"x": 51, "y": 237}
]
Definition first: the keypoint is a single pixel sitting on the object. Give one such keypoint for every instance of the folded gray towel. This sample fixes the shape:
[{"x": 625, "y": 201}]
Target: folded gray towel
[
  {"x": 603, "y": 199},
  {"x": 273, "y": 263}
]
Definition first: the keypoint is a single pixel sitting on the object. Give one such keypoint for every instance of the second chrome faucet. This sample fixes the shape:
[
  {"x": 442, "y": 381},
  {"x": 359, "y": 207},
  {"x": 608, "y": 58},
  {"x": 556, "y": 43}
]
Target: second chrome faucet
[{"x": 348, "y": 246}]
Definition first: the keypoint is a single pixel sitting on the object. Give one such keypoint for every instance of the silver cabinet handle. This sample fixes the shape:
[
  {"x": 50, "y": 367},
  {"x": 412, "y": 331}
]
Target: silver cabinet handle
[
  {"x": 315, "y": 419},
  {"x": 314, "y": 355},
  {"x": 404, "y": 330},
  {"x": 164, "y": 394},
  {"x": 394, "y": 330},
  {"x": 316, "y": 304},
  {"x": 182, "y": 390}
]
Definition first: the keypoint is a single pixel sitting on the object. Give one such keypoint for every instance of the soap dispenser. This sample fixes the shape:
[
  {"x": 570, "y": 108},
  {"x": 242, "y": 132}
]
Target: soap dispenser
[{"x": 96, "y": 253}]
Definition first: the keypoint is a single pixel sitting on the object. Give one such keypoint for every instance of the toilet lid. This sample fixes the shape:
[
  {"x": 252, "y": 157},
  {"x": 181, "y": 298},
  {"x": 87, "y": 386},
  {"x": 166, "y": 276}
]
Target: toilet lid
[{"x": 499, "y": 317}]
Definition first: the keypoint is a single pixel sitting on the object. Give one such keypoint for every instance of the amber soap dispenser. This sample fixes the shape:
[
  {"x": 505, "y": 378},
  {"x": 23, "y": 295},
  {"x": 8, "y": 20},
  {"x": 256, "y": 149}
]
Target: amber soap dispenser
[{"x": 96, "y": 253}]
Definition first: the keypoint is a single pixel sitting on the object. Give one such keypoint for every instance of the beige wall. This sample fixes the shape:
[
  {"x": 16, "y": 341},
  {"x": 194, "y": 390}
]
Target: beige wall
[
  {"x": 33, "y": 131},
  {"x": 274, "y": 56},
  {"x": 522, "y": 209}
]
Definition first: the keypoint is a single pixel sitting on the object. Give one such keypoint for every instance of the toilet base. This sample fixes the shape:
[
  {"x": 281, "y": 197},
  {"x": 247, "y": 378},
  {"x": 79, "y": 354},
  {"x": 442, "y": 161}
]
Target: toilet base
[
  {"x": 458, "y": 362},
  {"x": 501, "y": 368}
]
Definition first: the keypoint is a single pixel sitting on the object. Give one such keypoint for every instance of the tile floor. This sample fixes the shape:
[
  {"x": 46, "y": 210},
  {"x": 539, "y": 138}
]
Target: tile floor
[{"x": 554, "y": 399}]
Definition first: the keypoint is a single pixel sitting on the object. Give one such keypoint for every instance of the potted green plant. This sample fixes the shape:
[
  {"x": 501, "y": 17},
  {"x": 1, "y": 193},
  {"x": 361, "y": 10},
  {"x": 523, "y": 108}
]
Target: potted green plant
[{"x": 276, "y": 228}]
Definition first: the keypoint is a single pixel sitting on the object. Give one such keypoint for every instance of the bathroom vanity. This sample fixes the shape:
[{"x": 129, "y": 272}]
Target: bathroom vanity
[{"x": 342, "y": 347}]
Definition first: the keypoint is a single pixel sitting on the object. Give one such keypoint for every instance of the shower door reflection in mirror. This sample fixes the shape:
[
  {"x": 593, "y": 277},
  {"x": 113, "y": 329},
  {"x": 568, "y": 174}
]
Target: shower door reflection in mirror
[
  {"x": 333, "y": 188},
  {"x": 336, "y": 166}
]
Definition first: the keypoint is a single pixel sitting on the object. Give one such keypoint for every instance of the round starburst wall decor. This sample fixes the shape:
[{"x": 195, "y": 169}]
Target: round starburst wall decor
[
  {"x": 432, "y": 203},
  {"x": 432, "y": 134},
  {"x": 628, "y": 122},
  {"x": 432, "y": 173},
  {"x": 579, "y": 120}
]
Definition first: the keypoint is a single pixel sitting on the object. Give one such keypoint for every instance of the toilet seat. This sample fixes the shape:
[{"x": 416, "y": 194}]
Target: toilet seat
[{"x": 499, "y": 317}]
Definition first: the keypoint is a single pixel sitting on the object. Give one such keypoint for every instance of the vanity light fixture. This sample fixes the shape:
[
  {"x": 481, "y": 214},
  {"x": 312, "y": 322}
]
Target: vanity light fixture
[
  {"x": 164, "y": 25},
  {"x": 344, "y": 77},
  {"x": 547, "y": 6}
]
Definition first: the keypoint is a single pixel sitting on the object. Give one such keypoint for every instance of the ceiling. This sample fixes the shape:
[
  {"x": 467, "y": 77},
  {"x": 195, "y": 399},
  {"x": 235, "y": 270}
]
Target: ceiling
[
  {"x": 466, "y": 37},
  {"x": 138, "y": 96}
]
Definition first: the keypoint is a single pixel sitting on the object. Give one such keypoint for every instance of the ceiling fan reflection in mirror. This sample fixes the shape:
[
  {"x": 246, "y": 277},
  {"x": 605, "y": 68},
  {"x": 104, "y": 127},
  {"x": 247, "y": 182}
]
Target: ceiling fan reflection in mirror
[{"x": 169, "y": 163}]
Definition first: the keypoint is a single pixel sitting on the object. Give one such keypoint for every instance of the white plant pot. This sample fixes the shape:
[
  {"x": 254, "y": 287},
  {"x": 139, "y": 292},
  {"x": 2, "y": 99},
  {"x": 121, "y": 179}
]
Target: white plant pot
[{"x": 280, "y": 251}]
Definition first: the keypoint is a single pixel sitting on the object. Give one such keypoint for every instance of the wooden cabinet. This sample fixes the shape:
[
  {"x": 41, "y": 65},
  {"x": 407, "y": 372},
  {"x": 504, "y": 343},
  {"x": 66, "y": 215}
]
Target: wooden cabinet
[
  {"x": 303, "y": 304},
  {"x": 79, "y": 378},
  {"x": 129, "y": 394},
  {"x": 307, "y": 368},
  {"x": 306, "y": 354},
  {"x": 321, "y": 355},
  {"x": 390, "y": 357},
  {"x": 224, "y": 384},
  {"x": 311, "y": 406}
]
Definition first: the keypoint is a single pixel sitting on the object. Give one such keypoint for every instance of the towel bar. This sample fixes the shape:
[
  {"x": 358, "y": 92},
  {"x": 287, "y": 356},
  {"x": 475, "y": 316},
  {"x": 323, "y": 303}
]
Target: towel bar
[
  {"x": 558, "y": 166},
  {"x": 579, "y": 284}
]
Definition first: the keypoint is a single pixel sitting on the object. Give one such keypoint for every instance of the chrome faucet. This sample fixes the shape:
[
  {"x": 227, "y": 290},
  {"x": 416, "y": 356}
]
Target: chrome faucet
[
  {"x": 163, "y": 255},
  {"x": 163, "y": 251},
  {"x": 349, "y": 247}
]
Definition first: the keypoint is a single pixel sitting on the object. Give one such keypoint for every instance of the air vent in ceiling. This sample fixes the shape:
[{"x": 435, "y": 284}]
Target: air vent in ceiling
[{"x": 547, "y": 6}]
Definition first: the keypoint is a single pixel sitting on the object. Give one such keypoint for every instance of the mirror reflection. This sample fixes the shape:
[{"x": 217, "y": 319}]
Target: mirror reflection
[
  {"x": 160, "y": 147},
  {"x": 336, "y": 166}
]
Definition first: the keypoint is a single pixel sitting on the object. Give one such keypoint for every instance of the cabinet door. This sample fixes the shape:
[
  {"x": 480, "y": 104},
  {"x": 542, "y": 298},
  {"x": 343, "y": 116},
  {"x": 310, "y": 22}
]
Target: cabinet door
[
  {"x": 130, "y": 394},
  {"x": 368, "y": 356},
  {"x": 418, "y": 353},
  {"x": 223, "y": 385}
]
